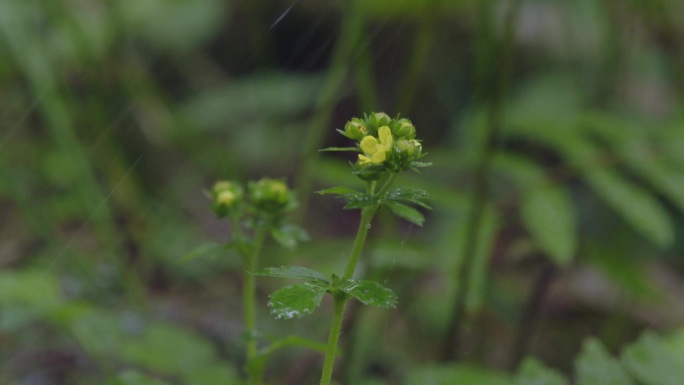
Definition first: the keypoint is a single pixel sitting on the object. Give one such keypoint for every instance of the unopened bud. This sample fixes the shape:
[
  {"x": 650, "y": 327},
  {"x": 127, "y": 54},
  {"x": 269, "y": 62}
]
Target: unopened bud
[
  {"x": 409, "y": 147},
  {"x": 406, "y": 129},
  {"x": 381, "y": 118},
  {"x": 226, "y": 195},
  {"x": 270, "y": 194},
  {"x": 355, "y": 130}
]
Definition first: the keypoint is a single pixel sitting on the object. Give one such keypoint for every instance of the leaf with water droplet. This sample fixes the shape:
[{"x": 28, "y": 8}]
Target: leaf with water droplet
[
  {"x": 417, "y": 196},
  {"x": 296, "y": 300},
  {"x": 368, "y": 292}
]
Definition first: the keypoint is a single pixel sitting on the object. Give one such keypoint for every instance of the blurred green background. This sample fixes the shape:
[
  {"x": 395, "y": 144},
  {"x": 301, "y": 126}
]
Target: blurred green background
[{"x": 555, "y": 128}]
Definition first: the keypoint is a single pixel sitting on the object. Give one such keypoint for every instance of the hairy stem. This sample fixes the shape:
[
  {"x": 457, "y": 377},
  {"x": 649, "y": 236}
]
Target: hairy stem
[
  {"x": 367, "y": 215},
  {"x": 333, "y": 338},
  {"x": 364, "y": 225},
  {"x": 249, "y": 300}
]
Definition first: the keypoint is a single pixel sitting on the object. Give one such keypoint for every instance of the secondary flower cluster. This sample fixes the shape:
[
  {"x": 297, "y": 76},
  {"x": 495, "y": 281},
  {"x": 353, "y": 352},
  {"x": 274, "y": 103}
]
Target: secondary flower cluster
[
  {"x": 265, "y": 199},
  {"x": 383, "y": 144}
]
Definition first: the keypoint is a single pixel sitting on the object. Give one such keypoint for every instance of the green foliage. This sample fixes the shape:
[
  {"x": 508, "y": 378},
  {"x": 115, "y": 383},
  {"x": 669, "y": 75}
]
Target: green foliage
[
  {"x": 394, "y": 199},
  {"x": 116, "y": 113},
  {"x": 417, "y": 196},
  {"x": 149, "y": 345},
  {"x": 533, "y": 372},
  {"x": 130, "y": 377},
  {"x": 302, "y": 299},
  {"x": 637, "y": 206},
  {"x": 289, "y": 236},
  {"x": 595, "y": 366},
  {"x": 296, "y": 300},
  {"x": 406, "y": 212},
  {"x": 456, "y": 374},
  {"x": 178, "y": 26},
  {"x": 651, "y": 362},
  {"x": 368, "y": 292},
  {"x": 549, "y": 216}
]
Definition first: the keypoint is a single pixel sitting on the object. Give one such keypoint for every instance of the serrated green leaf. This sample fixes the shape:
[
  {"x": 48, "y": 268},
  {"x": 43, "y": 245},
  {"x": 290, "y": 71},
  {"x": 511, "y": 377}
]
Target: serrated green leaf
[
  {"x": 368, "y": 292},
  {"x": 643, "y": 212},
  {"x": 595, "y": 366},
  {"x": 533, "y": 372},
  {"x": 417, "y": 196},
  {"x": 406, "y": 212},
  {"x": 651, "y": 362},
  {"x": 360, "y": 200},
  {"x": 331, "y": 149},
  {"x": 288, "y": 236},
  {"x": 338, "y": 190},
  {"x": 296, "y": 300},
  {"x": 293, "y": 272},
  {"x": 548, "y": 215}
]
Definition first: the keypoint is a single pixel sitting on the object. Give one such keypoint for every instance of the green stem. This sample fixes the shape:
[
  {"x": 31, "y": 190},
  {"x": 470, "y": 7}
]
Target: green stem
[
  {"x": 387, "y": 183},
  {"x": 341, "y": 299},
  {"x": 249, "y": 300},
  {"x": 333, "y": 338},
  {"x": 364, "y": 225}
]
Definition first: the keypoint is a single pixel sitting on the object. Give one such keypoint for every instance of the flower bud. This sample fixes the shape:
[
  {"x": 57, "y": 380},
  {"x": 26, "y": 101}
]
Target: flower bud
[
  {"x": 355, "y": 130},
  {"x": 381, "y": 118},
  {"x": 410, "y": 148},
  {"x": 270, "y": 195},
  {"x": 227, "y": 195},
  {"x": 406, "y": 129}
]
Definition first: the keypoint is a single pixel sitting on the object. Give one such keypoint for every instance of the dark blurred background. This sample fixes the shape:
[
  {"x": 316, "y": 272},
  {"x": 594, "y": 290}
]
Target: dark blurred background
[{"x": 555, "y": 129}]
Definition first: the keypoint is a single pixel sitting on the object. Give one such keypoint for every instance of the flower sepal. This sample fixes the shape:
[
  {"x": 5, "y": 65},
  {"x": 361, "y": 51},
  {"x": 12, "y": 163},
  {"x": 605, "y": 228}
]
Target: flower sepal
[{"x": 369, "y": 172}]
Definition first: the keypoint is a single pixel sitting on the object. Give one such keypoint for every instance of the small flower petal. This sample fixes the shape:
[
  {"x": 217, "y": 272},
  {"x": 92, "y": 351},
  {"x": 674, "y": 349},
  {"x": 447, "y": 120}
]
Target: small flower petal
[
  {"x": 364, "y": 160},
  {"x": 369, "y": 145},
  {"x": 385, "y": 135}
]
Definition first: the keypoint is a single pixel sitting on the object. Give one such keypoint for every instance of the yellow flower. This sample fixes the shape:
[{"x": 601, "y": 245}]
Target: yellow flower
[{"x": 375, "y": 149}]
